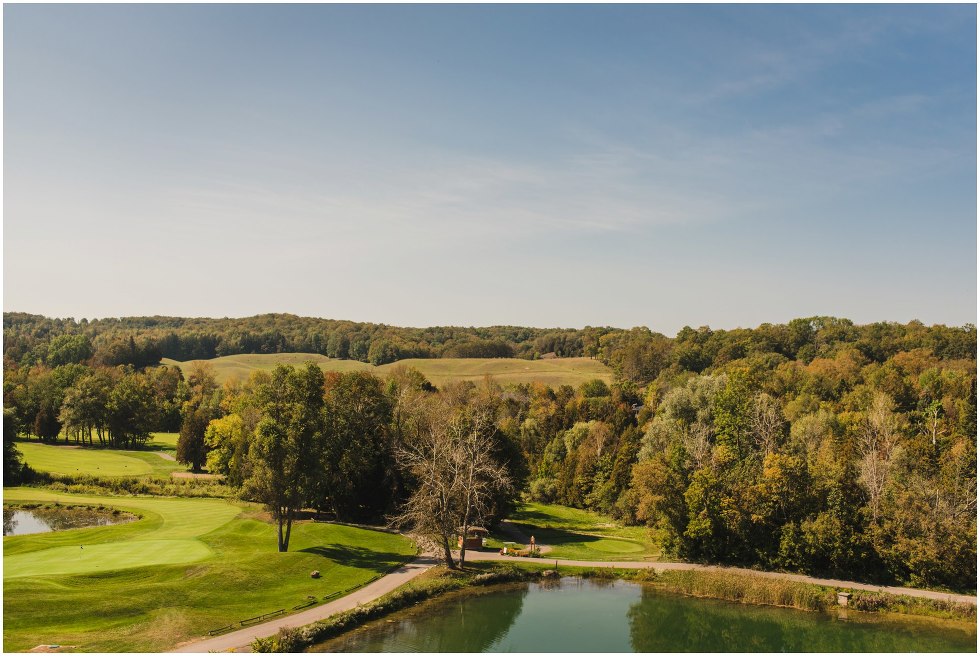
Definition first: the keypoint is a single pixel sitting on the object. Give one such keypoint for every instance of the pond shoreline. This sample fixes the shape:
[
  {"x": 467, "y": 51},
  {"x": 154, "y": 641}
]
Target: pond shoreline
[
  {"x": 739, "y": 588},
  {"x": 40, "y": 518}
]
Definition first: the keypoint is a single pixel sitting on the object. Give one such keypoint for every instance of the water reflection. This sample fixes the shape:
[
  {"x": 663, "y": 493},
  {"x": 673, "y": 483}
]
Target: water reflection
[
  {"x": 581, "y": 615},
  {"x": 663, "y": 622},
  {"x": 449, "y": 627},
  {"x": 25, "y": 520}
]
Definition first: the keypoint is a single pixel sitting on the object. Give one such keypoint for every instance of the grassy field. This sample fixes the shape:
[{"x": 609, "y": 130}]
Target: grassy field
[
  {"x": 163, "y": 441},
  {"x": 583, "y": 535},
  {"x": 111, "y": 463},
  {"x": 189, "y": 565},
  {"x": 558, "y": 371},
  {"x": 241, "y": 366}
]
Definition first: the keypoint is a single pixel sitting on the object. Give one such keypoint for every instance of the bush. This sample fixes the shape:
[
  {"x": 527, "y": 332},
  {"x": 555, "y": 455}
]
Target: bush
[
  {"x": 85, "y": 484},
  {"x": 544, "y": 490}
]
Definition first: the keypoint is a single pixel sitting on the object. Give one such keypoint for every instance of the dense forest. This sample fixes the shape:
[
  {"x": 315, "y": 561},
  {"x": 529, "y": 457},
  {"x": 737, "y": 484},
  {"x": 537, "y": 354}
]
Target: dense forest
[
  {"x": 139, "y": 341},
  {"x": 817, "y": 446}
]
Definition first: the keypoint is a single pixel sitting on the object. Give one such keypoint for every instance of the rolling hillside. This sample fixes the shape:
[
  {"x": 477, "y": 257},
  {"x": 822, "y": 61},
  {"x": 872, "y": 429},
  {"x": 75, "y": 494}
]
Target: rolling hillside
[{"x": 558, "y": 371}]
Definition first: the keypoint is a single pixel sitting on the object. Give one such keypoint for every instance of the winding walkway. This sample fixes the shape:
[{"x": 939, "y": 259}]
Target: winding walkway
[{"x": 241, "y": 640}]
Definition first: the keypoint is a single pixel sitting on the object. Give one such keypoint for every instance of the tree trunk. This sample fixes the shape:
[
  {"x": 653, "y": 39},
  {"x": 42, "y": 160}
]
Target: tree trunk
[
  {"x": 280, "y": 519},
  {"x": 448, "y": 554},
  {"x": 466, "y": 531},
  {"x": 289, "y": 528}
]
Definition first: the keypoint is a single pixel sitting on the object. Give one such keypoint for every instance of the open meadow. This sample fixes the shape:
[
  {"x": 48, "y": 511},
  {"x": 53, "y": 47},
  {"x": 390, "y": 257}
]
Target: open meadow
[
  {"x": 186, "y": 567},
  {"x": 553, "y": 372}
]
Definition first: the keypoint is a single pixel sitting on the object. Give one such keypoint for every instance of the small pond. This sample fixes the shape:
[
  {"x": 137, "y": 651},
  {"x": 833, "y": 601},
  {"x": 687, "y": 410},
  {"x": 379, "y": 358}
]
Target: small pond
[
  {"x": 23, "y": 520},
  {"x": 586, "y": 615}
]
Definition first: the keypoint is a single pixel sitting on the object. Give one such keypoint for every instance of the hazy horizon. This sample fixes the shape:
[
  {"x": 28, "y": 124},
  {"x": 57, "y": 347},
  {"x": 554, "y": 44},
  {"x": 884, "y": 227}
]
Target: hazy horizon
[
  {"x": 488, "y": 325},
  {"x": 640, "y": 165}
]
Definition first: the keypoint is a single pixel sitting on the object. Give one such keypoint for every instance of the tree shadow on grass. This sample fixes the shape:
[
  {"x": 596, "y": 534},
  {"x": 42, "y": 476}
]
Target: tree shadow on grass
[
  {"x": 380, "y": 562},
  {"x": 556, "y": 537}
]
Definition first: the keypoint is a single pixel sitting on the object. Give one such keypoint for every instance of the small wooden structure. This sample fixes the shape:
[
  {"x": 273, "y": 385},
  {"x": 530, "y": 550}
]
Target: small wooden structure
[{"x": 474, "y": 538}]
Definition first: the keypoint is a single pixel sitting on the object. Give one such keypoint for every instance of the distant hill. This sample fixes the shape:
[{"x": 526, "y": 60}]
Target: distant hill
[{"x": 552, "y": 371}]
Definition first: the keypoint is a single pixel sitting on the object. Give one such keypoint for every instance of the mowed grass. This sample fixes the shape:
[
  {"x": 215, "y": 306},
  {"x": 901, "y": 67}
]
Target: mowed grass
[
  {"x": 163, "y": 441},
  {"x": 553, "y": 372},
  {"x": 95, "y": 461},
  {"x": 189, "y": 565},
  {"x": 577, "y": 534}
]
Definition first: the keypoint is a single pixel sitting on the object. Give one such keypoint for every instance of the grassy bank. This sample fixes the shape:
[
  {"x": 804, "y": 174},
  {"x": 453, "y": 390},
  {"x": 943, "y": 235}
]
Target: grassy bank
[
  {"x": 575, "y": 534},
  {"x": 434, "y": 583},
  {"x": 186, "y": 567},
  {"x": 769, "y": 591},
  {"x": 118, "y": 486}
]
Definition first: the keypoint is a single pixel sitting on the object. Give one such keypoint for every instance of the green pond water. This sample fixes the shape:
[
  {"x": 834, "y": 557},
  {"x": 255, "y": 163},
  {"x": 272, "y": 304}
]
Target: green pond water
[
  {"x": 580, "y": 615},
  {"x": 23, "y": 520}
]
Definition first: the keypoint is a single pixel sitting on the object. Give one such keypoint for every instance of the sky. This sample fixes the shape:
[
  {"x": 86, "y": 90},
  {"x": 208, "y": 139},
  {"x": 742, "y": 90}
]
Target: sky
[{"x": 549, "y": 165}]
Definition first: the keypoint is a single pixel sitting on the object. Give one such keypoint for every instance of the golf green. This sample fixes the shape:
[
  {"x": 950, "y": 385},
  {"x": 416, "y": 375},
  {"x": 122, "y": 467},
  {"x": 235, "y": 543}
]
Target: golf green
[{"x": 186, "y": 566}]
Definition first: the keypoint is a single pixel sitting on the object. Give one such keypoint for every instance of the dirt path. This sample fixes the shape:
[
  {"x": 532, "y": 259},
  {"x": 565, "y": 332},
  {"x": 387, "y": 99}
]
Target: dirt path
[
  {"x": 911, "y": 592},
  {"x": 244, "y": 637},
  {"x": 165, "y": 456}
]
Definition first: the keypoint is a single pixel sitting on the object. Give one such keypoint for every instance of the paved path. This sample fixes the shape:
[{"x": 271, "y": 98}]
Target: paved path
[
  {"x": 911, "y": 592},
  {"x": 244, "y": 637},
  {"x": 165, "y": 455}
]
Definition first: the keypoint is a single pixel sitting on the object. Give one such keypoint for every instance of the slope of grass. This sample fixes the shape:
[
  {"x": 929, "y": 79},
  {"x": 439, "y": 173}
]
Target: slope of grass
[
  {"x": 583, "y": 535},
  {"x": 558, "y": 371},
  {"x": 143, "y": 599},
  {"x": 553, "y": 372},
  {"x": 240, "y": 367},
  {"x": 95, "y": 461}
]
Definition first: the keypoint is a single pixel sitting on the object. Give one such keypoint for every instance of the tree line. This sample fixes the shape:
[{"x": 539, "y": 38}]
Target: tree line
[
  {"x": 111, "y": 406},
  {"x": 840, "y": 466},
  {"x": 637, "y": 355},
  {"x": 815, "y": 446},
  {"x": 142, "y": 341}
]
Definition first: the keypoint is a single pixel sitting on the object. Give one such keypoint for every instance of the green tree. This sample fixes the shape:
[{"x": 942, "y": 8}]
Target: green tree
[
  {"x": 733, "y": 414},
  {"x": 197, "y": 412},
  {"x": 131, "y": 411},
  {"x": 282, "y": 456},
  {"x": 227, "y": 440},
  {"x": 67, "y": 349},
  {"x": 357, "y": 472},
  {"x": 13, "y": 464}
]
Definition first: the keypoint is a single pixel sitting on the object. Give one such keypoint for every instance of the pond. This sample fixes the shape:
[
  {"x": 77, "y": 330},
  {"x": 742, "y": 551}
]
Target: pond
[
  {"x": 23, "y": 520},
  {"x": 586, "y": 615}
]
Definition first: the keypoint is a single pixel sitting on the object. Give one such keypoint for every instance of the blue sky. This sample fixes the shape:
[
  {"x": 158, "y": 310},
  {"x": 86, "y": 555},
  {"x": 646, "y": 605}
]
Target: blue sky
[{"x": 480, "y": 165}]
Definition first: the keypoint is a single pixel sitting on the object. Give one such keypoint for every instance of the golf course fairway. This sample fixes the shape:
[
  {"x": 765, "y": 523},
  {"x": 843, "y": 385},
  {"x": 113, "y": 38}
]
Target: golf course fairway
[{"x": 185, "y": 567}]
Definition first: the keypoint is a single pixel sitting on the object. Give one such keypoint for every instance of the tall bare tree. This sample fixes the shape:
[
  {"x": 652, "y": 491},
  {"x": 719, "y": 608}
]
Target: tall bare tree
[
  {"x": 449, "y": 455},
  {"x": 767, "y": 423},
  {"x": 878, "y": 441}
]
